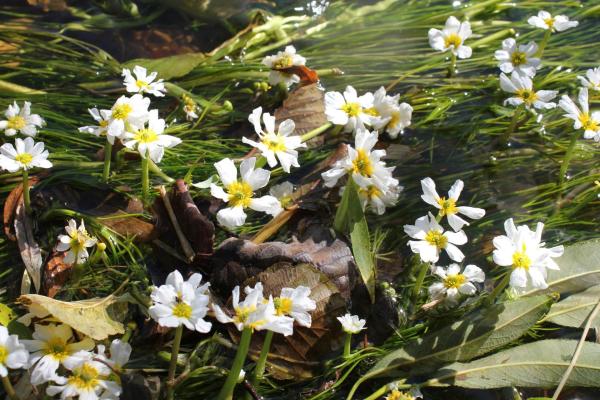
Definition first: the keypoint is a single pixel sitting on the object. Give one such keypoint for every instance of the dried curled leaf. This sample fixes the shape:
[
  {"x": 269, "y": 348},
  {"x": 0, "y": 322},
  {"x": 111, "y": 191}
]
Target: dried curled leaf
[{"x": 89, "y": 317}]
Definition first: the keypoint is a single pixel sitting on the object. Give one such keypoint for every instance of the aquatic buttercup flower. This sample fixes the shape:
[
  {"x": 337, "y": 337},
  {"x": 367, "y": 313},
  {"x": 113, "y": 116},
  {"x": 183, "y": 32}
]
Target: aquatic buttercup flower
[
  {"x": 395, "y": 116},
  {"x": 13, "y": 354},
  {"x": 452, "y": 37},
  {"x": 296, "y": 303},
  {"x": 518, "y": 58},
  {"x": 120, "y": 352},
  {"x": 127, "y": 114},
  {"x": 275, "y": 146},
  {"x": 281, "y": 60},
  {"x": 283, "y": 192},
  {"x": 413, "y": 394},
  {"x": 52, "y": 345},
  {"x": 582, "y": 118},
  {"x": 350, "y": 110},
  {"x": 352, "y": 324},
  {"x": 447, "y": 206},
  {"x": 454, "y": 282},
  {"x": 89, "y": 379},
  {"x": 239, "y": 193},
  {"x": 142, "y": 82},
  {"x": 75, "y": 243},
  {"x": 21, "y": 120},
  {"x": 591, "y": 80},
  {"x": 180, "y": 302},
  {"x": 102, "y": 117},
  {"x": 190, "y": 108},
  {"x": 24, "y": 155},
  {"x": 377, "y": 196},
  {"x": 522, "y": 86},
  {"x": 431, "y": 240},
  {"x": 558, "y": 23},
  {"x": 149, "y": 138},
  {"x": 523, "y": 251}
]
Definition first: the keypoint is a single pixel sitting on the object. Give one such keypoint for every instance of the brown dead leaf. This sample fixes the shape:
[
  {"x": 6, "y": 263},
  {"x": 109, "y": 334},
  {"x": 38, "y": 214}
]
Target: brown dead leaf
[
  {"x": 56, "y": 273},
  {"x": 10, "y": 206},
  {"x": 135, "y": 227},
  {"x": 49, "y": 5}
]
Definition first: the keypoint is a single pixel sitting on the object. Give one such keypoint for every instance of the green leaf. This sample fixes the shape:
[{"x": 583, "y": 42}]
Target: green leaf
[
  {"x": 539, "y": 364},
  {"x": 350, "y": 218},
  {"x": 579, "y": 269},
  {"x": 169, "y": 67},
  {"x": 478, "y": 333},
  {"x": 575, "y": 309}
]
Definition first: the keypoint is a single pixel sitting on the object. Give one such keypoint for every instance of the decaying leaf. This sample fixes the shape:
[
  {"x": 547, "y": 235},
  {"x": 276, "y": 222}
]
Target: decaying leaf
[
  {"x": 10, "y": 206},
  {"x": 89, "y": 317},
  {"x": 28, "y": 247},
  {"x": 56, "y": 273},
  {"x": 143, "y": 231}
]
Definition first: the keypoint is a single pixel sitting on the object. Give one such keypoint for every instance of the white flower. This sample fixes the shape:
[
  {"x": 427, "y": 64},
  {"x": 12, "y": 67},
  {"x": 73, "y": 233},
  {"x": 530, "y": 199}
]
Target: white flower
[
  {"x": 454, "y": 283},
  {"x": 591, "y": 80},
  {"x": 361, "y": 160},
  {"x": 522, "y": 86},
  {"x": 558, "y": 23},
  {"x": 75, "y": 242},
  {"x": 13, "y": 354},
  {"x": 274, "y": 146},
  {"x": 395, "y": 116},
  {"x": 296, "y": 303},
  {"x": 149, "y": 138},
  {"x": 352, "y": 323},
  {"x": 431, "y": 240},
  {"x": 103, "y": 118},
  {"x": 254, "y": 312},
  {"x": 128, "y": 113},
  {"x": 447, "y": 206},
  {"x": 21, "y": 120},
  {"x": 89, "y": 379},
  {"x": 190, "y": 108},
  {"x": 283, "y": 192},
  {"x": 143, "y": 83},
  {"x": 518, "y": 58},
  {"x": 51, "y": 346},
  {"x": 452, "y": 37},
  {"x": 377, "y": 196},
  {"x": 180, "y": 302},
  {"x": 582, "y": 118},
  {"x": 26, "y": 154},
  {"x": 239, "y": 194},
  {"x": 283, "y": 59},
  {"x": 523, "y": 251},
  {"x": 119, "y": 354},
  {"x": 350, "y": 110}
]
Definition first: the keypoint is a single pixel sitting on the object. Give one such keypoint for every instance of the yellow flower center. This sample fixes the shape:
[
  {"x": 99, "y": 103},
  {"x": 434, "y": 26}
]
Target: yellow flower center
[
  {"x": 454, "y": 281},
  {"x": 372, "y": 111},
  {"x": 521, "y": 260},
  {"x": 587, "y": 122},
  {"x": 240, "y": 194},
  {"x": 518, "y": 58},
  {"x": 242, "y": 314},
  {"x": 549, "y": 22},
  {"x": 146, "y": 135},
  {"x": 394, "y": 120},
  {"x": 274, "y": 143},
  {"x": 352, "y": 109},
  {"x": 103, "y": 123},
  {"x": 16, "y": 122},
  {"x": 3, "y": 355},
  {"x": 453, "y": 40},
  {"x": 527, "y": 95},
  {"x": 24, "y": 158},
  {"x": 362, "y": 164},
  {"x": 56, "y": 347},
  {"x": 84, "y": 377},
  {"x": 370, "y": 191},
  {"x": 182, "y": 310},
  {"x": 141, "y": 84},
  {"x": 283, "y": 62},
  {"x": 398, "y": 395},
  {"x": 436, "y": 238},
  {"x": 283, "y": 305},
  {"x": 121, "y": 111},
  {"x": 448, "y": 206}
]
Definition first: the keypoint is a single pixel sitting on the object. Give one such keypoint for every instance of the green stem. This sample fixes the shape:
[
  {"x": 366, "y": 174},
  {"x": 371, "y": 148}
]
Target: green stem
[
  {"x": 567, "y": 159},
  {"x": 26, "y": 198},
  {"x": 259, "y": 370},
  {"x": 498, "y": 289},
  {"x": 347, "y": 344},
  {"x": 543, "y": 43},
  {"x": 513, "y": 125},
  {"x": 452, "y": 68},
  {"x": 107, "y": 159},
  {"x": 226, "y": 392},
  {"x": 420, "y": 279},
  {"x": 9, "y": 389},
  {"x": 173, "y": 362},
  {"x": 315, "y": 132},
  {"x": 145, "y": 178},
  {"x": 157, "y": 171}
]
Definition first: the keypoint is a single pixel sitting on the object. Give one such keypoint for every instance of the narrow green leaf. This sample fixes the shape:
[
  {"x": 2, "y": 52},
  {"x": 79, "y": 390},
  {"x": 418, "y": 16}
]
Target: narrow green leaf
[
  {"x": 575, "y": 309},
  {"x": 169, "y": 67},
  {"x": 539, "y": 364}
]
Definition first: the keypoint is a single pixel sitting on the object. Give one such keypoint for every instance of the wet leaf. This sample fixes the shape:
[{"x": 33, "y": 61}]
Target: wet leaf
[
  {"x": 89, "y": 317},
  {"x": 575, "y": 309},
  {"x": 28, "y": 247},
  {"x": 169, "y": 67},
  {"x": 539, "y": 364},
  {"x": 306, "y": 107}
]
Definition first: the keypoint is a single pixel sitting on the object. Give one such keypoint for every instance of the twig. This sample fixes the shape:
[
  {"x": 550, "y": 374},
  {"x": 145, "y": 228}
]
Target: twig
[
  {"x": 185, "y": 245},
  {"x": 251, "y": 390},
  {"x": 586, "y": 329}
]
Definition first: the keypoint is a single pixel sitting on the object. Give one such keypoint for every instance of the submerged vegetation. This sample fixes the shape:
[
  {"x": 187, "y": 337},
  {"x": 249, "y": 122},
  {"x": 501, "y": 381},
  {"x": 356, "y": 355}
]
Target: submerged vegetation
[{"x": 248, "y": 200}]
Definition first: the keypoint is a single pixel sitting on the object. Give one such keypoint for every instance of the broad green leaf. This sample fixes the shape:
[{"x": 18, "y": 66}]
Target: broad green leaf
[
  {"x": 579, "y": 269},
  {"x": 575, "y": 309},
  {"x": 478, "y": 333},
  {"x": 539, "y": 364},
  {"x": 350, "y": 219},
  {"x": 169, "y": 67}
]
